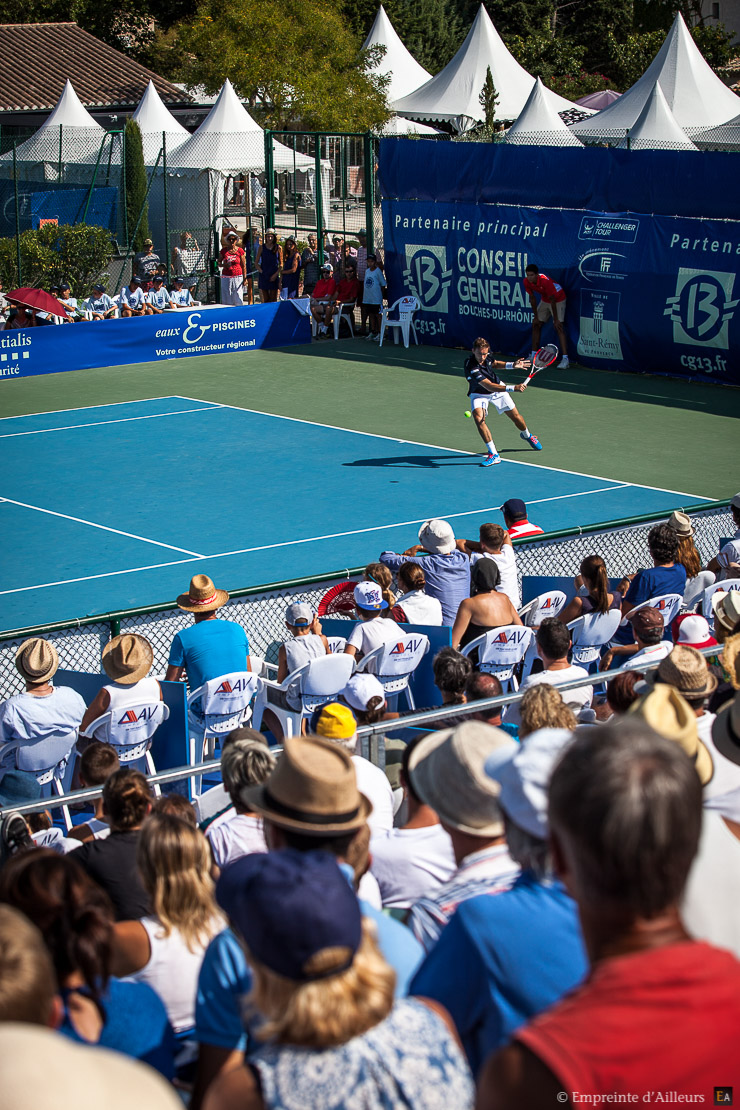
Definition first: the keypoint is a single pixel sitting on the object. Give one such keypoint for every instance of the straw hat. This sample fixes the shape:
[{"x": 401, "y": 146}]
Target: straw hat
[
  {"x": 313, "y": 789},
  {"x": 665, "y": 711},
  {"x": 36, "y": 660},
  {"x": 127, "y": 658},
  {"x": 681, "y": 524},
  {"x": 726, "y": 608},
  {"x": 686, "y": 669},
  {"x": 730, "y": 659},
  {"x": 726, "y": 730},
  {"x": 202, "y": 597},
  {"x": 447, "y": 770}
]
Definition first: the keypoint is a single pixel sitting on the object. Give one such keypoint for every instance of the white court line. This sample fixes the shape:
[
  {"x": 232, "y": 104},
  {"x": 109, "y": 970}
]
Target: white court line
[
  {"x": 293, "y": 543},
  {"x": 453, "y": 450},
  {"x": 103, "y": 527},
  {"x": 98, "y": 423},
  {"x": 109, "y": 405}
]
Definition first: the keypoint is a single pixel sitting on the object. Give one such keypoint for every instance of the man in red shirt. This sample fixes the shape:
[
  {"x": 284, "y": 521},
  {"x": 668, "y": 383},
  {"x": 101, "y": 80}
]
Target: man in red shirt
[
  {"x": 323, "y": 297},
  {"x": 658, "y": 1018},
  {"x": 551, "y": 304},
  {"x": 515, "y": 519}
]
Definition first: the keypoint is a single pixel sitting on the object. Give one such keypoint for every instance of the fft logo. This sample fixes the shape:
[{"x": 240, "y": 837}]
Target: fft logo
[
  {"x": 702, "y": 307},
  {"x": 427, "y": 276}
]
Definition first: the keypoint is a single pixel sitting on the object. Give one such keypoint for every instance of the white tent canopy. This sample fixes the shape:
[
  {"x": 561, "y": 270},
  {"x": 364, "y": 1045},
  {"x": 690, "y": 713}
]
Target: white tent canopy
[
  {"x": 694, "y": 93},
  {"x": 81, "y": 136},
  {"x": 453, "y": 95},
  {"x": 398, "y": 125},
  {"x": 539, "y": 123},
  {"x": 724, "y": 137},
  {"x": 398, "y": 63},
  {"x": 154, "y": 120},
  {"x": 229, "y": 140},
  {"x": 656, "y": 127}
]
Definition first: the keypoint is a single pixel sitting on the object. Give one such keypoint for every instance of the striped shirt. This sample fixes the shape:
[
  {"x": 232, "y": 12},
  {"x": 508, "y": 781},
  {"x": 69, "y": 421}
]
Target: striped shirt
[{"x": 489, "y": 871}]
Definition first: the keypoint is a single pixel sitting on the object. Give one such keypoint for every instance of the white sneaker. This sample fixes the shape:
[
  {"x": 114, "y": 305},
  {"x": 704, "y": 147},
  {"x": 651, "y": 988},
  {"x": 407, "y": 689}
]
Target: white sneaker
[
  {"x": 369, "y": 337},
  {"x": 563, "y": 364},
  {"x": 376, "y": 339}
]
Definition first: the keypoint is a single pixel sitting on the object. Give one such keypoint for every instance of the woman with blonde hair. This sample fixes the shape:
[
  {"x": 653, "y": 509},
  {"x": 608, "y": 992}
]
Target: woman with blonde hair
[
  {"x": 543, "y": 707},
  {"x": 332, "y": 1035},
  {"x": 381, "y": 576},
  {"x": 165, "y": 949}
]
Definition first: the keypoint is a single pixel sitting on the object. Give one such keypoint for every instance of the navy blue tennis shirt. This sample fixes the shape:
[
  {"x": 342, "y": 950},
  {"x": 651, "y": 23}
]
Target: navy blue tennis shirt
[{"x": 476, "y": 373}]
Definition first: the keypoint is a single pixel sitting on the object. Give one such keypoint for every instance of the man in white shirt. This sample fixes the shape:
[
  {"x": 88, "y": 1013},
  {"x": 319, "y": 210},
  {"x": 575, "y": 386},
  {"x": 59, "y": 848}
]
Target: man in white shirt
[
  {"x": 649, "y": 646},
  {"x": 495, "y": 543},
  {"x": 372, "y": 295},
  {"x": 553, "y": 645},
  {"x": 726, "y": 564},
  {"x": 158, "y": 298},
  {"x": 374, "y": 630},
  {"x": 132, "y": 301}
]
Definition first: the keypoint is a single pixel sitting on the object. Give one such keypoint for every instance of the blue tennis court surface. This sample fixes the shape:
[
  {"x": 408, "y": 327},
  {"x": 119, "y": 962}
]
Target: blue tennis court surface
[{"x": 117, "y": 506}]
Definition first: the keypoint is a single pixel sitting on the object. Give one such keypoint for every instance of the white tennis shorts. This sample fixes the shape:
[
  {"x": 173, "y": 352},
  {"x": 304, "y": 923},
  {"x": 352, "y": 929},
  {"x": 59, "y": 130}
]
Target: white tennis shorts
[
  {"x": 502, "y": 402},
  {"x": 544, "y": 310}
]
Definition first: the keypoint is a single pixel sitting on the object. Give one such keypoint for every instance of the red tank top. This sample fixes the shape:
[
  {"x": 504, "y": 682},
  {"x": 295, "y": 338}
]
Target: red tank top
[{"x": 666, "y": 1021}]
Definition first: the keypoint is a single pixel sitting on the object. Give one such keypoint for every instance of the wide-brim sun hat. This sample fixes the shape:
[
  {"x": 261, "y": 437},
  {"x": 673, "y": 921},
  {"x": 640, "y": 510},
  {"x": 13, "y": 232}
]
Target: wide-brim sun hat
[
  {"x": 437, "y": 537},
  {"x": 312, "y": 790},
  {"x": 523, "y": 772},
  {"x": 726, "y": 608},
  {"x": 726, "y": 730},
  {"x": 128, "y": 658},
  {"x": 670, "y": 715},
  {"x": 447, "y": 771},
  {"x": 202, "y": 597},
  {"x": 36, "y": 660},
  {"x": 681, "y": 524},
  {"x": 685, "y": 669}
]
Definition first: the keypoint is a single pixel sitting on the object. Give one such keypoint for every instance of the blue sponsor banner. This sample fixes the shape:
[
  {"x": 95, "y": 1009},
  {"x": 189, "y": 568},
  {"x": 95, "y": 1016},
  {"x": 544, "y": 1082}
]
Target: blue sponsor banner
[
  {"x": 650, "y": 293},
  {"x": 179, "y": 334}
]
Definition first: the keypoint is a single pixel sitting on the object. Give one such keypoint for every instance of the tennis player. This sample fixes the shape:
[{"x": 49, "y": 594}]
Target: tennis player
[{"x": 486, "y": 388}]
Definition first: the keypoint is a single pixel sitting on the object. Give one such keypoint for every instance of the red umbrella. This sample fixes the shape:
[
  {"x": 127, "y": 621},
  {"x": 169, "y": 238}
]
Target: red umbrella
[{"x": 38, "y": 298}]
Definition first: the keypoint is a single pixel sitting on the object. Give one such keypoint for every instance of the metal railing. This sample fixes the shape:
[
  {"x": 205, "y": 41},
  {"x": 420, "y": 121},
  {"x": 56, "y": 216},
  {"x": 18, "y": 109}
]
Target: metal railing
[{"x": 369, "y": 736}]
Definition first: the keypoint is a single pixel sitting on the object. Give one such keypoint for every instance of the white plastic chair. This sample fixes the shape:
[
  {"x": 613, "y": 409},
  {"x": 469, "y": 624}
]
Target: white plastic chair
[
  {"x": 336, "y": 644},
  {"x": 130, "y": 730},
  {"x": 693, "y": 595},
  {"x": 406, "y": 306},
  {"x": 500, "y": 650},
  {"x": 667, "y": 604},
  {"x": 344, "y": 312},
  {"x": 49, "y": 761},
  {"x": 395, "y": 662},
  {"x": 590, "y": 633},
  {"x": 319, "y": 681},
  {"x": 539, "y": 608},
  {"x": 217, "y": 707},
  {"x": 706, "y": 605}
]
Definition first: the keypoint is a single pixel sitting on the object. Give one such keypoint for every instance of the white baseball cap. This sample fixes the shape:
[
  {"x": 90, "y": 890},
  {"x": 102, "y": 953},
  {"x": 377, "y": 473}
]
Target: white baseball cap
[
  {"x": 369, "y": 596},
  {"x": 360, "y": 689},
  {"x": 524, "y": 772}
]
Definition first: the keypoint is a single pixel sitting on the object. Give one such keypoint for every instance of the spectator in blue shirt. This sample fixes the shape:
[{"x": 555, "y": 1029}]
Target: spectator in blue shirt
[
  {"x": 180, "y": 296},
  {"x": 158, "y": 298},
  {"x": 666, "y": 576},
  {"x": 132, "y": 300},
  {"x": 504, "y": 958},
  {"x": 99, "y": 304},
  {"x": 447, "y": 570},
  {"x": 211, "y": 647}
]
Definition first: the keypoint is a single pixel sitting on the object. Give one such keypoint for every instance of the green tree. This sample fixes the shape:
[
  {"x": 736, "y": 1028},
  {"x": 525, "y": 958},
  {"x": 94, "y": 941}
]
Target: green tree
[
  {"x": 78, "y": 254},
  {"x": 297, "y": 65},
  {"x": 136, "y": 187},
  {"x": 488, "y": 99},
  {"x": 629, "y": 59}
]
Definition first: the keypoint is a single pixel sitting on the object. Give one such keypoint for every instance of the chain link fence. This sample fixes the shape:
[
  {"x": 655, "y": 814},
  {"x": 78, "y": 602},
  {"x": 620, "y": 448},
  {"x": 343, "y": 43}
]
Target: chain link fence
[{"x": 262, "y": 612}]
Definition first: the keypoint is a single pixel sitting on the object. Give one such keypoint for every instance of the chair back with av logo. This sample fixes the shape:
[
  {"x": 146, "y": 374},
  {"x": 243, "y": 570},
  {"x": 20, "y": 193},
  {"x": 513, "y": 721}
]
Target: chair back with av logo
[
  {"x": 395, "y": 662},
  {"x": 130, "y": 730},
  {"x": 500, "y": 650}
]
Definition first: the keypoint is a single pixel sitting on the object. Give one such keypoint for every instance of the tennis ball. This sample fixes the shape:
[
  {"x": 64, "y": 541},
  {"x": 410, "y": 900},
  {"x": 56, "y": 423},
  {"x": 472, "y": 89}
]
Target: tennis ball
[{"x": 467, "y": 413}]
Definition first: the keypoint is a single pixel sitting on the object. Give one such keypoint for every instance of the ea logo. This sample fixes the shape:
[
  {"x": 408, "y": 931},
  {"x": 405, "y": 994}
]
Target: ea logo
[
  {"x": 194, "y": 326},
  {"x": 427, "y": 276},
  {"x": 702, "y": 308}
]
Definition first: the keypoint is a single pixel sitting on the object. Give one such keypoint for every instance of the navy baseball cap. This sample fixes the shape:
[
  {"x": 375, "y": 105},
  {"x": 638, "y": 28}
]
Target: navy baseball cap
[
  {"x": 290, "y": 906},
  {"x": 514, "y": 508},
  {"x": 64, "y": 285},
  {"x": 99, "y": 287},
  {"x": 158, "y": 277}
]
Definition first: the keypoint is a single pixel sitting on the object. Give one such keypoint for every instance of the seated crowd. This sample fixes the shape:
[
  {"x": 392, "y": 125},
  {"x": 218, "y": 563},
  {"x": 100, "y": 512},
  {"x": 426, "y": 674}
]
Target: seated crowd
[{"x": 534, "y": 904}]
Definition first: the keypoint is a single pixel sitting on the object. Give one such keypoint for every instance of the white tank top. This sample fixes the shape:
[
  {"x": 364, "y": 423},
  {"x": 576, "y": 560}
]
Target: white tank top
[
  {"x": 146, "y": 689},
  {"x": 172, "y": 971}
]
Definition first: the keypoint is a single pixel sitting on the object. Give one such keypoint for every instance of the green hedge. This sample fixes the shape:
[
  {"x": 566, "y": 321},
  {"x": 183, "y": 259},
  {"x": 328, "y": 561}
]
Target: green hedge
[{"x": 78, "y": 254}]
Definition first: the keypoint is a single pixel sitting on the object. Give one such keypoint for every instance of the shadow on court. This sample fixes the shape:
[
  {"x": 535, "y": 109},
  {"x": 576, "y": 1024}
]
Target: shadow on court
[{"x": 418, "y": 462}]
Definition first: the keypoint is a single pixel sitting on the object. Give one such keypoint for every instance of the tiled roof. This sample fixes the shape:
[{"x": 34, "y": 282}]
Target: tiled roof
[{"x": 53, "y": 52}]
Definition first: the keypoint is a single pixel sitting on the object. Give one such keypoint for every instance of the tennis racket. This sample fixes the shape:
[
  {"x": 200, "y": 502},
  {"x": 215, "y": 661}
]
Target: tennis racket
[{"x": 544, "y": 357}]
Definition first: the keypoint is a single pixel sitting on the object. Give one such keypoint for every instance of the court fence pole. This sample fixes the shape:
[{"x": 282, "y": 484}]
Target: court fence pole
[
  {"x": 166, "y": 204},
  {"x": 270, "y": 175},
  {"x": 17, "y": 216},
  {"x": 319, "y": 189},
  {"x": 367, "y": 142}
]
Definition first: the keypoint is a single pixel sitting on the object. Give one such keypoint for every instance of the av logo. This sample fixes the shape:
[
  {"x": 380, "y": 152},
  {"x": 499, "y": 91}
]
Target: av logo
[
  {"x": 427, "y": 276},
  {"x": 238, "y": 687},
  {"x": 410, "y": 646},
  {"x": 131, "y": 717},
  {"x": 702, "y": 308},
  {"x": 514, "y": 637}
]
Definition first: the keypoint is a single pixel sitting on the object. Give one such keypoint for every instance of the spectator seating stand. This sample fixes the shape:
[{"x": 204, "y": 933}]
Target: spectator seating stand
[
  {"x": 132, "y": 734},
  {"x": 394, "y": 663},
  {"x": 50, "y": 760},
  {"x": 407, "y": 307}
]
